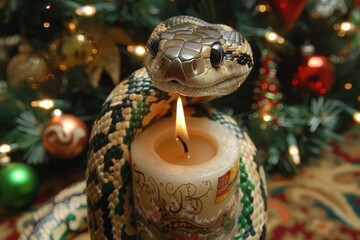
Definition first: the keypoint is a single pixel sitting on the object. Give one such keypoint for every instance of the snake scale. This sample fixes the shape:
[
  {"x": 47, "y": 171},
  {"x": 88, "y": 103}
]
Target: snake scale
[{"x": 186, "y": 56}]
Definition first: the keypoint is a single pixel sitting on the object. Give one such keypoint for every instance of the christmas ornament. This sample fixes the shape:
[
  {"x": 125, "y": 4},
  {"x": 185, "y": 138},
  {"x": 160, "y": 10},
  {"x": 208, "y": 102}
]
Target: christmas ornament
[
  {"x": 288, "y": 10},
  {"x": 18, "y": 185},
  {"x": 107, "y": 59},
  {"x": 267, "y": 95},
  {"x": 73, "y": 49},
  {"x": 316, "y": 76},
  {"x": 27, "y": 66},
  {"x": 326, "y": 8},
  {"x": 5, "y": 44},
  {"x": 65, "y": 136}
]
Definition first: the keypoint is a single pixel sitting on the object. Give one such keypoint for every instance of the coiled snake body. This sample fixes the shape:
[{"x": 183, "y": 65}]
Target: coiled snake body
[{"x": 186, "y": 56}]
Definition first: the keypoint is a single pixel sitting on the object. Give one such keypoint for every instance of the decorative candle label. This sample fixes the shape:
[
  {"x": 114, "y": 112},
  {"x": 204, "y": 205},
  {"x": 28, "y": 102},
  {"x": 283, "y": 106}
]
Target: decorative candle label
[
  {"x": 226, "y": 183},
  {"x": 165, "y": 209}
]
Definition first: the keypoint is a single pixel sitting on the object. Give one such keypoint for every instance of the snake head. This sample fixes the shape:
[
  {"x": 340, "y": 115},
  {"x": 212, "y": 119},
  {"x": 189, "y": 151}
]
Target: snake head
[{"x": 198, "y": 59}]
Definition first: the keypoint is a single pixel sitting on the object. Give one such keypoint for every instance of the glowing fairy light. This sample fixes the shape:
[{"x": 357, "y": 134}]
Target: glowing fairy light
[
  {"x": 345, "y": 28},
  {"x": 4, "y": 158},
  {"x": 72, "y": 26},
  {"x": 356, "y": 117},
  {"x": 87, "y": 11},
  {"x": 263, "y": 8},
  {"x": 80, "y": 37},
  {"x": 294, "y": 153},
  {"x": 348, "y": 86},
  {"x": 267, "y": 118},
  {"x": 273, "y": 37},
  {"x": 44, "y": 104},
  {"x": 56, "y": 113},
  {"x": 46, "y": 24},
  {"x": 5, "y": 148},
  {"x": 138, "y": 50}
]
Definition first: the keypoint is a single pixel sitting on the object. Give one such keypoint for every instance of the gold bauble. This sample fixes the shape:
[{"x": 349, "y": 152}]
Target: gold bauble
[
  {"x": 27, "y": 66},
  {"x": 73, "y": 49}
]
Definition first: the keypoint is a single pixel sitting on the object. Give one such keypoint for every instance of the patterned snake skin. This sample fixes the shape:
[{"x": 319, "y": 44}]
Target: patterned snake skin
[{"x": 186, "y": 56}]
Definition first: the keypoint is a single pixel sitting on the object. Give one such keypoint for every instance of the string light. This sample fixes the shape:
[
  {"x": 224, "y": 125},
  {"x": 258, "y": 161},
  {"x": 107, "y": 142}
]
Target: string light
[
  {"x": 267, "y": 118},
  {"x": 4, "y": 158},
  {"x": 48, "y": 6},
  {"x": 46, "y": 24},
  {"x": 307, "y": 49},
  {"x": 56, "y": 113},
  {"x": 345, "y": 28},
  {"x": 294, "y": 153},
  {"x": 356, "y": 117},
  {"x": 138, "y": 50},
  {"x": 44, "y": 104},
  {"x": 263, "y": 8},
  {"x": 5, "y": 148},
  {"x": 348, "y": 86},
  {"x": 80, "y": 37},
  {"x": 72, "y": 26},
  {"x": 273, "y": 37},
  {"x": 86, "y": 10}
]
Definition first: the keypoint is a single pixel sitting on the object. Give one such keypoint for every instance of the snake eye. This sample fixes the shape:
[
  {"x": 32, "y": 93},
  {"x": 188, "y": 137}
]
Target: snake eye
[
  {"x": 216, "y": 55},
  {"x": 154, "y": 46}
]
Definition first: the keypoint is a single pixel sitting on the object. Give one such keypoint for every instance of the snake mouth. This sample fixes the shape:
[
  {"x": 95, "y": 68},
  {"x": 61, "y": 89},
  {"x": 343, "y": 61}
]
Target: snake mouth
[{"x": 224, "y": 87}]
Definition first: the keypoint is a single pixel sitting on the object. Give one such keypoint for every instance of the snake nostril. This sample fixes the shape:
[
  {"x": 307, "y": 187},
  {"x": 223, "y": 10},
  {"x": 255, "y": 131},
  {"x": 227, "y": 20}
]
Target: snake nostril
[{"x": 195, "y": 67}]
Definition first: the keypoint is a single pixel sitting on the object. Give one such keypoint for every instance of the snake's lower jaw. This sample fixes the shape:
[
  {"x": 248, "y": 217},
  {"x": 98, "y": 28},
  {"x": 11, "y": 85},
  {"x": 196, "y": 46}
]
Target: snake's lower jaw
[{"x": 224, "y": 87}]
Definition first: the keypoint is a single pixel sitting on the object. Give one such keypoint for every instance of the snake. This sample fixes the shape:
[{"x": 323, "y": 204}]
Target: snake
[{"x": 185, "y": 56}]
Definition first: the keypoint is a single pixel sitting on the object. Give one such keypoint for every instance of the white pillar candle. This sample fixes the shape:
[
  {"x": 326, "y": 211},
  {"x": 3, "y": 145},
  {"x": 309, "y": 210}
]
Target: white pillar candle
[{"x": 178, "y": 197}]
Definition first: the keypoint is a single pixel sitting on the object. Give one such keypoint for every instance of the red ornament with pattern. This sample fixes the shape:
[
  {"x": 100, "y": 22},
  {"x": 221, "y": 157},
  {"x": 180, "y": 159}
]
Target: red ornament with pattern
[{"x": 65, "y": 136}]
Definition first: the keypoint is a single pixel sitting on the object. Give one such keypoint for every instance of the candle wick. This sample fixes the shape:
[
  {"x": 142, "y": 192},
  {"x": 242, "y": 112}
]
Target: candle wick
[{"x": 183, "y": 143}]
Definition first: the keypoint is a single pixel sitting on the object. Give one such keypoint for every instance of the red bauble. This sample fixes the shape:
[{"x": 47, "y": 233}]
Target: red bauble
[
  {"x": 316, "y": 76},
  {"x": 288, "y": 10},
  {"x": 65, "y": 136}
]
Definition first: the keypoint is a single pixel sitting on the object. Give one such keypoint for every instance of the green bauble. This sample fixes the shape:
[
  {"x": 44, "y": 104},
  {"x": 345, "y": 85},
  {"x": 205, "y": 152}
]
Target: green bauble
[{"x": 18, "y": 185}]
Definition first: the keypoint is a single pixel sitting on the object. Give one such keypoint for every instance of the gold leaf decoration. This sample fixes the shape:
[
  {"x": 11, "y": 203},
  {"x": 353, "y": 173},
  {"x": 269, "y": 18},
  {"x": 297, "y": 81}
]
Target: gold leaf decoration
[{"x": 108, "y": 57}]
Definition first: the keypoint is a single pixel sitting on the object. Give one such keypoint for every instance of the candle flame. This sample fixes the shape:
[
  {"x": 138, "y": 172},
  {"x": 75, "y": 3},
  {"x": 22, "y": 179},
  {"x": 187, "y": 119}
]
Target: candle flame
[{"x": 181, "y": 133}]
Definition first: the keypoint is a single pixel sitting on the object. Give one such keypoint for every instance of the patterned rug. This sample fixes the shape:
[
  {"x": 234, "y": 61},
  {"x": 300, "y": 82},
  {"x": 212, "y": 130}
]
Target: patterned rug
[{"x": 321, "y": 202}]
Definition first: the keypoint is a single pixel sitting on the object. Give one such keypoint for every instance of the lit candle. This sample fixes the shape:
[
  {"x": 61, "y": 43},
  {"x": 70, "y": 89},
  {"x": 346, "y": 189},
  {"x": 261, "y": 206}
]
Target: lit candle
[{"x": 181, "y": 194}]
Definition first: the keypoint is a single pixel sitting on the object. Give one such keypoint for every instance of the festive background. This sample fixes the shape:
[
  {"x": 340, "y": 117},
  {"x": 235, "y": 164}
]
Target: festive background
[{"x": 60, "y": 59}]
